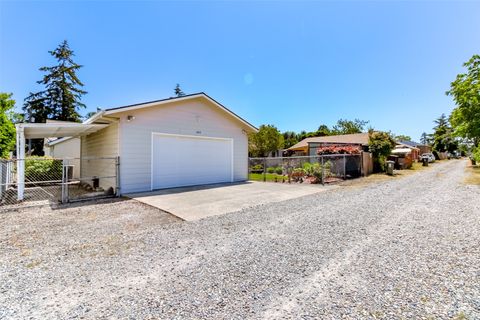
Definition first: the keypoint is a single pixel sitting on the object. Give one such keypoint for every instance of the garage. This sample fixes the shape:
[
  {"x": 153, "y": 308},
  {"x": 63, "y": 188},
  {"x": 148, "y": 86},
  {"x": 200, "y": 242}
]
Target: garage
[
  {"x": 185, "y": 160},
  {"x": 174, "y": 142}
]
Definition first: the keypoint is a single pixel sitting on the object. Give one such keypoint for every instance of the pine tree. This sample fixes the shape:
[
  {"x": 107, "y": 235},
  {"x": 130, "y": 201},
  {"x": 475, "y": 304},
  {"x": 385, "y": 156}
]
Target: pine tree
[
  {"x": 443, "y": 139},
  {"x": 178, "y": 91},
  {"x": 61, "y": 98},
  {"x": 424, "y": 138}
]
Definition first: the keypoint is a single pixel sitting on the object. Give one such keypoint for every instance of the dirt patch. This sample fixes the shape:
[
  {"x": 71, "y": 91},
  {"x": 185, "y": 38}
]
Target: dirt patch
[
  {"x": 382, "y": 177},
  {"x": 473, "y": 175}
]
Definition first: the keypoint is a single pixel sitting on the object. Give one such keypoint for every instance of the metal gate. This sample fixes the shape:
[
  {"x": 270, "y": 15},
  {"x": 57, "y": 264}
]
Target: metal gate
[{"x": 58, "y": 180}]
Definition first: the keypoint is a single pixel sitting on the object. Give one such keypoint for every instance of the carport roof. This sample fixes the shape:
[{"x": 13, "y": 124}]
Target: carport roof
[{"x": 67, "y": 129}]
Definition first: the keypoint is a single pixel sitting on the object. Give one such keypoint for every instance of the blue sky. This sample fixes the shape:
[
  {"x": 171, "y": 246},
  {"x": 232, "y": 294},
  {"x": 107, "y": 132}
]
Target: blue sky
[{"x": 292, "y": 64}]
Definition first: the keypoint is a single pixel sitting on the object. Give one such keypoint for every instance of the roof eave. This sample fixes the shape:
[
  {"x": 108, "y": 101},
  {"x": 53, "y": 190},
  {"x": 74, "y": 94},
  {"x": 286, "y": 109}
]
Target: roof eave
[{"x": 177, "y": 99}]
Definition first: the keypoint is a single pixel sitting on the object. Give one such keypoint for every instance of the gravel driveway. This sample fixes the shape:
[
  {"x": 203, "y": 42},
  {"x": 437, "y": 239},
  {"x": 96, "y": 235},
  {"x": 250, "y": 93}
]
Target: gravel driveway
[{"x": 404, "y": 248}]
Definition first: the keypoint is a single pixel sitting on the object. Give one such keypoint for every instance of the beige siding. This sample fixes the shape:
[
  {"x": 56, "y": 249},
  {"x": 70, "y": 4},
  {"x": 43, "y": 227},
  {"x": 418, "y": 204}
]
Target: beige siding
[
  {"x": 193, "y": 117},
  {"x": 67, "y": 149},
  {"x": 101, "y": 144}
]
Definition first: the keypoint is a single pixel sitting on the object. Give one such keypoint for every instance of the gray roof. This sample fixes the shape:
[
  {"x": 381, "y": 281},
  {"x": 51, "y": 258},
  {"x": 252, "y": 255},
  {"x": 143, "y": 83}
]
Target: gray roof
[
  {"x": 411, "y": 143},
  {"x": 355, "y": 138}
]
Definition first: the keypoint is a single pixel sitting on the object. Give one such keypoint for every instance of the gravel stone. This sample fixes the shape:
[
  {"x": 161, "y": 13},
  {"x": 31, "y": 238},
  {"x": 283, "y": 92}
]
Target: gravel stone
[{"x": 406, "y": 247}]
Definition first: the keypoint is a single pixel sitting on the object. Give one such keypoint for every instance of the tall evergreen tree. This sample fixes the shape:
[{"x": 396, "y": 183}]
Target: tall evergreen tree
[
  {"x": 178, "y": 91},
  {"x": 424, "y": 138},
  {"x": 62, "y": 96},
  {"x": 290, "y": 138},
  {"x": 443, "y": 139}
]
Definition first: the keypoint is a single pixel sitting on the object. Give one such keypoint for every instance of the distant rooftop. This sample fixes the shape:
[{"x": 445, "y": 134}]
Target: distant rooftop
[
  {"x": 411, "y": 143},
  {"x": 355, "y": 138}
]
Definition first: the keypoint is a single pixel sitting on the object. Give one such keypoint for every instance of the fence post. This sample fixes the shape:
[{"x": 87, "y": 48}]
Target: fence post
[
  {"x": 323, "y": 172},
  {"x": 344, "y": 167},
  {"x": 2, "y": 186},
  {"x": 362, "y": 173},
  {"x": 117, "y": 176},
  {"x": 64, "y": 180},
  {"x": 264, "y": 169}
]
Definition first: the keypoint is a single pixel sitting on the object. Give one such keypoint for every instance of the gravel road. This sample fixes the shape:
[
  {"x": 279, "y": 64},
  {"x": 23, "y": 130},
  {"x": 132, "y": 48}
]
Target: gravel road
[{"x": 406, "y": 248}]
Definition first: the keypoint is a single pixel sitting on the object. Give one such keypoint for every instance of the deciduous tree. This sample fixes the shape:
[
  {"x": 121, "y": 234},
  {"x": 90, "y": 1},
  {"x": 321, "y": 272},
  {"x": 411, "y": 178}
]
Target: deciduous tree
[
  {"x": 344, "y": 126},
  {"x": 402, "y": 137},
  {"x": 7, "y": 129},
  {"x": 465, "y": 91},
  {"x": 266, "y": 140}
]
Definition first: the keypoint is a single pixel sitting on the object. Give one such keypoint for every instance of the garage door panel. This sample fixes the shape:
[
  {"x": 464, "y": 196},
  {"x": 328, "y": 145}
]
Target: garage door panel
[{"x": 185, "y": 160}]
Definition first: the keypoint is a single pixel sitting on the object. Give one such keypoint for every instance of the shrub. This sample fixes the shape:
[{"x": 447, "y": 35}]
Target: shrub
[
  {"x": 271, "y": 169},
  {"x": 476, "y": 155},
  {"x": 278, "y": 170},
  {"x": 380, "y": 144},
  {"x": 42, "y": 169},
  {"x": 297, "y": 174},
  {"x": 258, "y": 168},
  {"x": 313, "y": 170},
  {"x": 327, "y": 166}
]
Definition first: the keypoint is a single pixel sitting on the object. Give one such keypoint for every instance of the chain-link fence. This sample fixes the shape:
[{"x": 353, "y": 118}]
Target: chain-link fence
[
  {"x": 58, "y": 180},
  {"x": 306, "y": 169}
]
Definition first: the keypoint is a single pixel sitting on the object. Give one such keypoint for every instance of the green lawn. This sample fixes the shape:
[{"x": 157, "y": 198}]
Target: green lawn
[{"x": 269, "y": 177}]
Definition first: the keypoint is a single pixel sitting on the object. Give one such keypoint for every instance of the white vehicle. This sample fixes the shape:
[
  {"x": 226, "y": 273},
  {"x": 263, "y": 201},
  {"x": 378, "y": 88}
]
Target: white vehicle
[{"x": 429, "y": 156}]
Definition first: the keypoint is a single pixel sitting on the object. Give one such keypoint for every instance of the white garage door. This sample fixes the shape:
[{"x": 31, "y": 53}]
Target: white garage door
[{"x": 179, "y": 160}]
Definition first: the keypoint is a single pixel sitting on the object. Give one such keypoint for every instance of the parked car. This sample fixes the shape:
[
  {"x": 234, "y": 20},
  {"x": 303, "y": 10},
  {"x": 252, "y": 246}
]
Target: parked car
[{"x": 429, "y": 156}]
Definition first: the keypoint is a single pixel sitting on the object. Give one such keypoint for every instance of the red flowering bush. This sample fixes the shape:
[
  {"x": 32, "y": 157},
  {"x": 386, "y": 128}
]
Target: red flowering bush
[{"x": 338, "y": 149}]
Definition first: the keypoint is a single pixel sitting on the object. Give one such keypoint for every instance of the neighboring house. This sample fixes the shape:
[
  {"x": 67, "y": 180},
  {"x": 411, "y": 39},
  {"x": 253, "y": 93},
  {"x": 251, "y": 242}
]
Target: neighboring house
[
  {"x": 309, "y": 146},
  {"x": 276, "y": 153},
  {"x": 402, "y": 149},
  {"x": 183, "y": 141},
  {"x": 403, "y": 156},
  {"x": 68, "y": 147},
  {"x": 423, "y": 148},
  {"x": 62, "y": 148}
]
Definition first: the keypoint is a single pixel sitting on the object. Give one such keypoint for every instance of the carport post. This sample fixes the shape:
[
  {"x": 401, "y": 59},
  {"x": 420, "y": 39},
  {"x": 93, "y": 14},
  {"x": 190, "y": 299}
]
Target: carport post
[
  {"x": 344, "y": 167},
  {"x": 20, "y": 162}
]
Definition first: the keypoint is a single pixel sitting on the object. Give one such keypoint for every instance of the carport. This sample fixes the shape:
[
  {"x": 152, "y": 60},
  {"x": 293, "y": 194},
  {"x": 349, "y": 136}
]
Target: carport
[{"x": 45, "y": 130}]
